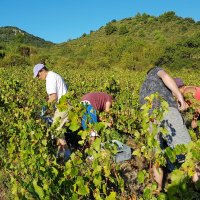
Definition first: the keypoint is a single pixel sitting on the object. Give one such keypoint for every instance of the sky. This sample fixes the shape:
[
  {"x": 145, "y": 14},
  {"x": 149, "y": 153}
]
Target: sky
[{"x": 61, "y": 20}]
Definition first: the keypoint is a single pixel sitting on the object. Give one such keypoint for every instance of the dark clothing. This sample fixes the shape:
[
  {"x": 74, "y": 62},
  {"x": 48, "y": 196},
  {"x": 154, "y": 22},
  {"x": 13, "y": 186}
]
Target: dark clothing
[
  {"x": 152, "y": 84},
  {"x": 97, "y": 100},
  {"x": 172, "y": 120}
]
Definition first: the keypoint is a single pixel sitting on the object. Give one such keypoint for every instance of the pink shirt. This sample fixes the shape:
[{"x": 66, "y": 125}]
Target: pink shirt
[
  {"x": 197, "y": 93},
  {"x": 97, "y": 99}
]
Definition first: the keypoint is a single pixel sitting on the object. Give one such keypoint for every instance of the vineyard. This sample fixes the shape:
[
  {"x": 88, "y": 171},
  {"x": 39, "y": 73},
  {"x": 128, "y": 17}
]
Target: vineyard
[{"x": 30, "y": 170}]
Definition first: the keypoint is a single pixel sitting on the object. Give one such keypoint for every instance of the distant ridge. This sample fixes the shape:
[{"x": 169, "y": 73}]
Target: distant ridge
[
  {"x": 10, "y": 34},
  {"x": 133, "y": 43}
]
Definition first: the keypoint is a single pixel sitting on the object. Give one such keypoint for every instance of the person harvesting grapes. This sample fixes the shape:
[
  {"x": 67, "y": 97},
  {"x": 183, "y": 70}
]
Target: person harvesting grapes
[
  {"x": 158, "y": 81},
  {"x": 95, "y": 102},
  {"x": 55, "y": 88}
]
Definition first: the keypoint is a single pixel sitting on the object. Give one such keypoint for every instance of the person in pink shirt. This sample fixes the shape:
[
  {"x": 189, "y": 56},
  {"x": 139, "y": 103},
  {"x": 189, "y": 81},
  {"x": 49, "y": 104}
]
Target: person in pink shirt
[
  {"x": 100, "y": 101},
  {"x": 194, "y": 91},
  {"x": 95, "y": 102}
]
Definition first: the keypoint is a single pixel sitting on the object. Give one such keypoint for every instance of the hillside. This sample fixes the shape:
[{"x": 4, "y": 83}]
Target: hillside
[
  {"x": 135, "y": 43},
  {"x": 10, "y": 34},
  {"x": 132, "y": 43},
  {"x": 18, "y": 47}
]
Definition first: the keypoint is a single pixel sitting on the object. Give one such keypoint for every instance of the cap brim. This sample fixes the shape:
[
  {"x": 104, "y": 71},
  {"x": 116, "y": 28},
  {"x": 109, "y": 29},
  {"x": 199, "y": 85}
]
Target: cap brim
[{"x": 35, "y": 75}]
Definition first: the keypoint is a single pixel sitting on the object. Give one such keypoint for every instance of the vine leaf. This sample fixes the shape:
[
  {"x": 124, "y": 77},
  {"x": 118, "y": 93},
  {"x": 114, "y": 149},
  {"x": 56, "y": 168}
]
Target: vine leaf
[{"x": 38, "y": 189}]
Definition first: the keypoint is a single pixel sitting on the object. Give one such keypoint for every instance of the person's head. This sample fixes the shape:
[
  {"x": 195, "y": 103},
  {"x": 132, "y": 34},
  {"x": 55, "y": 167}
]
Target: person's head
[
  {"x": 179, "y": 82},
  {"x": 40, "y": 71}
]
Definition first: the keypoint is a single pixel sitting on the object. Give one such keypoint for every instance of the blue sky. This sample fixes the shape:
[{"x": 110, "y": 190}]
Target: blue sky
[{"x": 60, "y": 20}]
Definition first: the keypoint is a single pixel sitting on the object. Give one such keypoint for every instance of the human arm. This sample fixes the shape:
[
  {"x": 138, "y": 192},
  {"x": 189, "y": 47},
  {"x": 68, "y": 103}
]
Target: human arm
[
  {"x": 52, "y": 98},
  {"x": 107, "y": 107},
  {"x": 170, "y": 83},
  {"x": 105, "y": 116}
]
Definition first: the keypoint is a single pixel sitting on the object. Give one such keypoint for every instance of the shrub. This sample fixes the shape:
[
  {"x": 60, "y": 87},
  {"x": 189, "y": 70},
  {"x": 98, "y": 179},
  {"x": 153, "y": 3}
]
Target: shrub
[{"x": 109, "y": 29}]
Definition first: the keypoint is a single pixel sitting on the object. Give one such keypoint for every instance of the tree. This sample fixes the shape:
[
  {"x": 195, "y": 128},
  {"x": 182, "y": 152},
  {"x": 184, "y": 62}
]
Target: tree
[
  {"x": 109, "y": 29},
  {"x": 168, "y": 16},
  {"x": 84, "y": 35}
]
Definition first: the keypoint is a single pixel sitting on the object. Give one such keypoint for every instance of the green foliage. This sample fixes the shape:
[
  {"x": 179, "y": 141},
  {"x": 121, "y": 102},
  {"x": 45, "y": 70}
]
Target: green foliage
[
  {"x": 109, "y": 29},
  {"x": 111, "y": 59},
  {"x": 24, "y": 51},
  {"x": 168, "y": 16},
  {"x": 123, "y": 30},
  {"x": 14, "y": 60},
  {"x": 2, "y": 54},
  {"x": 136, "y": 43},
  {"x": 84, "y": 35},
  {"x": 27, "y": 155},
  {"x": 182, "y": 54}
]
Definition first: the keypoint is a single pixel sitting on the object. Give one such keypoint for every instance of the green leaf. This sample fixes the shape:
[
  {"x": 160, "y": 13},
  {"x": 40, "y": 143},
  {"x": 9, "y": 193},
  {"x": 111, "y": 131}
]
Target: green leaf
[
  {"x": 55, "y": 171},
  {"x": 177, "y": 176},
  {"x": 106, "y": 171},
  {"x": 11, "y": 148},
  {"x": 97, "y": 182},
  {"x": 162, "y": 197},
  {"x": 74, "y": 196},
  {"x": 44, "y": 142},
  {"x": 140, "y": 177},
  {"x": 112, "y": 196},
  {"x": 81, "y": 142},
  {"x": 147, "y": 193},
  {"x": 14, "y": 187},
  {"x": 74, "y": 121},
  {"x": 97, "y": 144},
  {"x": 74, "y": 126},
  {"x": 74, "y": 172},
  {"x": 99, "y": 126},
  {"x": 38, "y": 190},
  {"x": 136, "y": 152},
  {"x": 171, "y": 154},
  {"x": 83, "y": 190}
]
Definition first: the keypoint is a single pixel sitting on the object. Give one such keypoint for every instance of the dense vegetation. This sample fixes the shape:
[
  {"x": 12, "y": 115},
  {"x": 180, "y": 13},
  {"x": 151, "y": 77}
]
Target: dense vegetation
[
  {"x": 18, "y": 47},
  {"x": 144, "y": 41},
  {"x": 114, "y": 59},
  {"x": 133, "y": 43}
]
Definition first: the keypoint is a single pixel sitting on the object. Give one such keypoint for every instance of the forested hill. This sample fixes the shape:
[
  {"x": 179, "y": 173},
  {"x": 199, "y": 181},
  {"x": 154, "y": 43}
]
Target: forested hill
[
  {"x": 137, "y": 42},
  {"x": 10, "y": 34},
  {"x": 132, "y": 43},
  {"x": 18, "y": 47}
]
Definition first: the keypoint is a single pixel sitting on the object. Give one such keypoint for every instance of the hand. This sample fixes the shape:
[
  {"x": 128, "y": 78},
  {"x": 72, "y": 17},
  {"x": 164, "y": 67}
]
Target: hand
[
  {"x": 194, "y": 124},
  {"x": 187, "y": 105},
  {"x": 61, "y": 142},
  {"x": 182, "y": 105}
]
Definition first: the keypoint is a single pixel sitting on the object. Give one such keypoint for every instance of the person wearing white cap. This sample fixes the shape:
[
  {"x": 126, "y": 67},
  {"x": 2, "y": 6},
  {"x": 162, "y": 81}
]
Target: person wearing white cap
[{"x": 55, "y": 87}]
